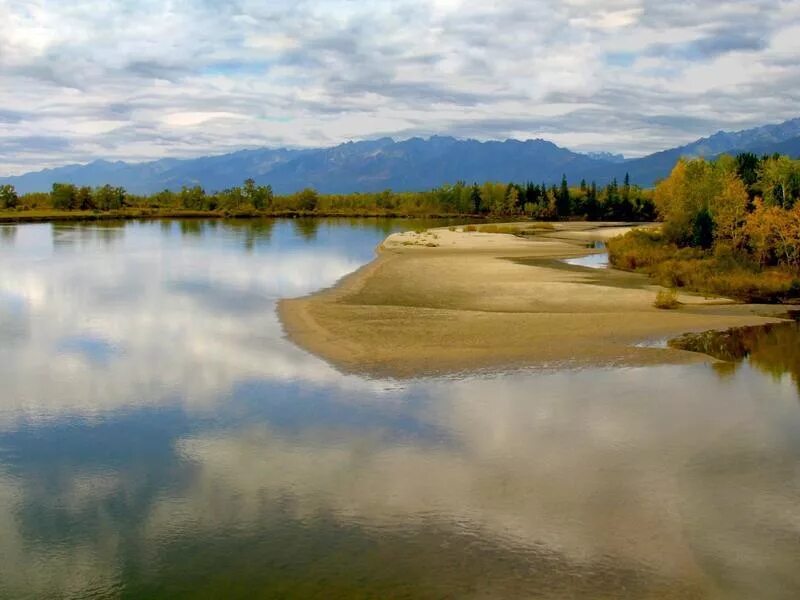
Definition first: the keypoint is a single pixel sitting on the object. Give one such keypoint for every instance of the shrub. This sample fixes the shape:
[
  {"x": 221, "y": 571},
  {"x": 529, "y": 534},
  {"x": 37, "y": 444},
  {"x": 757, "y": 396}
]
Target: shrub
[
  {"x": 639, "y": 249},
  {"x": 498, "y": 229},
  {"x": 723, "y": 273},
  {"x": 666, "y": 300}
]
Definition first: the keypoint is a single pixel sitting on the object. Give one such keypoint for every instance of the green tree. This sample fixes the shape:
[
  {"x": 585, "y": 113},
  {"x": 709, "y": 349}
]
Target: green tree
[
  {"x": 109, "y": 198},
  {"x": 780, "y": 181},
  {"x": 747, "y": 166},
  {"x": 8, "y": 196},
  {"x": 84, "y": 199},
  {"x": 63, "y": 196},
  {"x": 703, "y": 229},
  {"x": 259, "y": 196},
  {"x": 307, "y": 199},
  {"x": 592, "y": 207},
  {"x": 562, "y": 198},
  {"x": 193, "y": 198},
  {"x": 475, "y": 199}
]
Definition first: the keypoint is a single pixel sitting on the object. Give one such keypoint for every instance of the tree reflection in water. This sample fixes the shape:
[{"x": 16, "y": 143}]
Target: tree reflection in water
[{"x": 773, "y": 349}]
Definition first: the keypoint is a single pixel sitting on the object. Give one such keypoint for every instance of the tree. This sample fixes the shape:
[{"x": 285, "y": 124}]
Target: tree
[
  {"x": 512, "y": 200},
  {"x": 774, "y": 234},
  {"x": 626, "y": 189},
  {"x": 729, "y": 210},
  {"x": 193, "y": 197},
  {"x": 109, "y": 198},
  {"x": 592, "y": 206},
  {"x": 63, "y": 196},
  {"x": 780, "y": 181},
  {"x": 681, "y": 196},
  {"x": 747, "y": 166},
  {"x": 562, "y": 198},
  {"x": 84, "y": 199},
  {"x": 385, "y": 200},
  {"x": 259, "y": 196},
  {"x": 475, "y": 198},
  {"x": 493, "y": 196},
  {"x": 703, "y": 229},
  {"x": 307, "y": 199},
  {"x": 8, "y": 196}
]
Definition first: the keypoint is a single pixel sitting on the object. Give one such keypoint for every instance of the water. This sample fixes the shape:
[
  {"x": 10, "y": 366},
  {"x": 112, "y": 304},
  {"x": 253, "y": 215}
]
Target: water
[
  {"x": 160, "y": 438},
  {"x": 592, "y": 261}
]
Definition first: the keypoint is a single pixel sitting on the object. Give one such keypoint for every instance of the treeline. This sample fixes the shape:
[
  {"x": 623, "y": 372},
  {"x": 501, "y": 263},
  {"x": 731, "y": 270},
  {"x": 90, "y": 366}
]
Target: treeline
[
  {"x": 615, "y": 201},
  {"x": 731, "y": 227}
]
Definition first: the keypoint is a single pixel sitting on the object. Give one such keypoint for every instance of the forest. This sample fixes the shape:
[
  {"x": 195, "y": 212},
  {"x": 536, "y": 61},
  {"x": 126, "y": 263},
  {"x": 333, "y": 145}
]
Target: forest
[
  {"x": 618, "y": 202},
  {"x": 731, "y": 227}
]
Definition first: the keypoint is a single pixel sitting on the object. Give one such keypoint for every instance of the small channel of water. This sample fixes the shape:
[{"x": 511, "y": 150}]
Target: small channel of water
[{"x": 597, "y": 260}]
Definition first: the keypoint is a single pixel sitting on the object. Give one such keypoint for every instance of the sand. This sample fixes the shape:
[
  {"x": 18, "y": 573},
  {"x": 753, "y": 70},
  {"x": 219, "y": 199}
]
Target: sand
[{"x": 442, "y": 302}]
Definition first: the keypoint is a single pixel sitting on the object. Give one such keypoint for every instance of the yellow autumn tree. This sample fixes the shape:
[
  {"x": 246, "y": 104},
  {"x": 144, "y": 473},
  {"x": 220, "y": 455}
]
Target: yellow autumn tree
[
  {"x": 729, "y": 210},
  {"x": 774, "y": 234},
  {"x": 780, "y": 181}
]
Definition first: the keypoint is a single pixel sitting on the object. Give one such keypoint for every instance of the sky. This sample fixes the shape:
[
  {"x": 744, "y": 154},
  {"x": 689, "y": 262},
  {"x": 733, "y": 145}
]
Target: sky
[{"x": 141, "y": 80}]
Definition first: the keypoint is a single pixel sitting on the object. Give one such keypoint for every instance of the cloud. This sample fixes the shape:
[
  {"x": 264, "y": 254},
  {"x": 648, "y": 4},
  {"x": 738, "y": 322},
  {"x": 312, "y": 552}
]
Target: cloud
[
  {"x": 106, "y": 364},
  {"x": 320, "y": 73}
]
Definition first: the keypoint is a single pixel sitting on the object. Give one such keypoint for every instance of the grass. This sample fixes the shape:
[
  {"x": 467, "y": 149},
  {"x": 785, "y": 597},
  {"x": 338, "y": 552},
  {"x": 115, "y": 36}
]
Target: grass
[
  {"x": 530, "y": 229},
  {"x": 498, "y": 229},
  {"x": 720, "y": 274},
  {"x": 666, "y": 300}
]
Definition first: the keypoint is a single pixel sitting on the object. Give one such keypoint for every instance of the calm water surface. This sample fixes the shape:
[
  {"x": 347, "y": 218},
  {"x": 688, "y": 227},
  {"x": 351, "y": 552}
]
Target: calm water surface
[{"x": 160, "y": 438}]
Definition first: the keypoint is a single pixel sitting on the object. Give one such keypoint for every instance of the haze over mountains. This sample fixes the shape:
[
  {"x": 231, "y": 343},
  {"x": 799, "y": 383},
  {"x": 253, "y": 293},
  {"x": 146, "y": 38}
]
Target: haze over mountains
[{"x": 413, "y": 164}]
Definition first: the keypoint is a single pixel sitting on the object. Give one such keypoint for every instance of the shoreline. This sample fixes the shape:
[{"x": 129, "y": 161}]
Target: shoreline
[
  {"x": 50, "y": 216},
  {"x": 447, "y": 301}
]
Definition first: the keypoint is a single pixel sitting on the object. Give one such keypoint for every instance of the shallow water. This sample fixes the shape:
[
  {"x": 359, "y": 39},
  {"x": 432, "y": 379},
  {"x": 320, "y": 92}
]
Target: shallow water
[
  {"x": 598, "y": 260},
  {"x": 160, "y": 438}
]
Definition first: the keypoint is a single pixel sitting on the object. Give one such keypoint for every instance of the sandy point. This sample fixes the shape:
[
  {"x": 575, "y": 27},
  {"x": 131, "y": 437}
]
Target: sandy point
[{"x": 454, "y": 300}]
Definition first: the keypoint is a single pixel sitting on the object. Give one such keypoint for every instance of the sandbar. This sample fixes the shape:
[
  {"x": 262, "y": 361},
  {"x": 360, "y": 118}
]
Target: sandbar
[{"x": 450, "y": 301}]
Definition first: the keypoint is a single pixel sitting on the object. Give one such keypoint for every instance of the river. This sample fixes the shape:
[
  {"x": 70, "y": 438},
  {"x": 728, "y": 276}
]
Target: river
[{"x": 159, "y": 437}]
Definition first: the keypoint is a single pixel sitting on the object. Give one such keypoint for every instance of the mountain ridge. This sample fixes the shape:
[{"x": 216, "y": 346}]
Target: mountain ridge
[{"x": 412, "y": 164}]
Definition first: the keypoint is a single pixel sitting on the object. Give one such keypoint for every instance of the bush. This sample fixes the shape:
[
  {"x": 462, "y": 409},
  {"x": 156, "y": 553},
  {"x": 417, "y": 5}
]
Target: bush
[
  {"x": 639, "y": 249},
  {"x": 666, "y": 300},
  {"x": 498, "y": 229},
  {"x": 722, "y": 273}
]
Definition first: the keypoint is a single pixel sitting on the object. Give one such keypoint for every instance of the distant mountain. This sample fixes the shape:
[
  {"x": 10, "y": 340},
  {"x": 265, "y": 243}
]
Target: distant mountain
[
  {"x": 791, "y": 147},
  {"x": 645, "y": 171},
  {"x": 606, "y": 156},
  {"x": 413, "y": 164}
]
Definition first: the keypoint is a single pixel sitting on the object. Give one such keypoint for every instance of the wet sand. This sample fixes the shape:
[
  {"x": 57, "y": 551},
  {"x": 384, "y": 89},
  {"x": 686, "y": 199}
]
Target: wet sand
[{"x": 448, "y": 301}]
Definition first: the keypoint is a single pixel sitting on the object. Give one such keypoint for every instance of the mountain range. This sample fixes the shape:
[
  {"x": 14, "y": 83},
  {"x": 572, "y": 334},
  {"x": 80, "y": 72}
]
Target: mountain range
[{"x": 412, "y": 164}]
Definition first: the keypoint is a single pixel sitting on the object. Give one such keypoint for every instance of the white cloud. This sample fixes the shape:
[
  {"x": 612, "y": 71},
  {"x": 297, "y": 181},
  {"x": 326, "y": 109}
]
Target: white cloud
[
  {"x": 138, "y": 309},
  {"x": 92, "y": 79}
]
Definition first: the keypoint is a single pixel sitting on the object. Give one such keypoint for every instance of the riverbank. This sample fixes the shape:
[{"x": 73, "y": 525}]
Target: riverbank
[
  {"x": 722, "y": 272},
  {"x": 51, "y": 215},
  {"x": 448, "y": 300}
]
